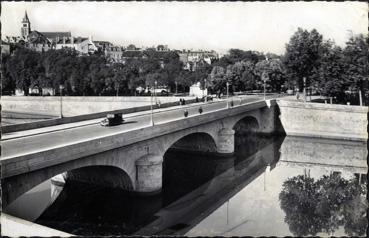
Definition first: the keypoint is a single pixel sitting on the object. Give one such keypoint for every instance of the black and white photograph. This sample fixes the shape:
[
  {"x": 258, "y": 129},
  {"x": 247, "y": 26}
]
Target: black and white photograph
[{"x": 184, "y": 118}]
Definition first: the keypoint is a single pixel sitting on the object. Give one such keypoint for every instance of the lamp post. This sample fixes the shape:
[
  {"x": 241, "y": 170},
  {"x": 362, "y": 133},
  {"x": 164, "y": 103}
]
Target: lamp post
[
  {"x": 265, "y": 76},
  {"x": 227, "y": 94},
  {"x": 264, "y": 87},
  {"x": 155, "y": 86},
  {"x": 304, "y": 79},
  {"x": 152, "y": 111},
  {"x": 206, "y": 96},
  {"x": 61, "y": 87}
]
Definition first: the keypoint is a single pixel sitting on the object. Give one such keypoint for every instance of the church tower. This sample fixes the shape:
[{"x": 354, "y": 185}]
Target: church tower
[{"x": 26, "y": 27}]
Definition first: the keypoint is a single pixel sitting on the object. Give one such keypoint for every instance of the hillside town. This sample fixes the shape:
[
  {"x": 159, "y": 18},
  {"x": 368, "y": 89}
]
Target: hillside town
[{"x": 75, "y": 65}]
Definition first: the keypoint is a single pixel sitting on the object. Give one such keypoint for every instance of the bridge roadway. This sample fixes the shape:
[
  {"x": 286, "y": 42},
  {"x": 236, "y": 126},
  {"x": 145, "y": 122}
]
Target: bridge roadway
[{"x": 18, "y": 144}]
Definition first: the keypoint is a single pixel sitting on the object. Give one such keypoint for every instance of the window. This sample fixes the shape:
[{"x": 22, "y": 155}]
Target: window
[{"x": 24, "y": 25}]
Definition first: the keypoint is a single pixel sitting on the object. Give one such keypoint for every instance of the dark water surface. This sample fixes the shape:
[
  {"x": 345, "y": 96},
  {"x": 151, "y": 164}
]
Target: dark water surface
[{"x": 280, "y": 186}]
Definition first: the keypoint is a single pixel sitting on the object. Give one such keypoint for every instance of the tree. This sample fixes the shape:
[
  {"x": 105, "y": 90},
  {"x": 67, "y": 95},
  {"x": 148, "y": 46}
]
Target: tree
[
  {"x": 324, "y": 205},
  {"x": 217, "y": 79},
  {"x": 273, "y": 71},
  {"x": 329, "y": 77},
  {"x": 302, "y": 55},
  {"x": 356, "y": 59}
]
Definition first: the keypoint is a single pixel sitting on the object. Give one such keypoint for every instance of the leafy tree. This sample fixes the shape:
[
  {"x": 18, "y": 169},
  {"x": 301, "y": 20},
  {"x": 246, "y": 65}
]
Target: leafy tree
[
  {"x": 273, "y": 71},
  {"x": 329, "y": 77},
  {"x": 356, "y": 59},
  {"x": 302, "y": 56},
  {"x": 324, "y": 205}
]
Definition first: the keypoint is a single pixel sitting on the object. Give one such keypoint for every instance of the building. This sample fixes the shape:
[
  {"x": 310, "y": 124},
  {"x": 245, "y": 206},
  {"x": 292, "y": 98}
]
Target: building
[
  {"x": 26, "y": 26},
  {"x": 197, "y": 91},
  {"x": 84, "y": 45},
  {"x": 162, "y": 48},
  {"x": 38, "y": 42},
  {"x": 193, "y": 59},
  {"x": 115, "y": 54},
  {"x": 55, "y": 37},
  {"x": 103, "y": 45},
  {"x": 5, "y": 48},
  {"x": 43, "y": 41}
]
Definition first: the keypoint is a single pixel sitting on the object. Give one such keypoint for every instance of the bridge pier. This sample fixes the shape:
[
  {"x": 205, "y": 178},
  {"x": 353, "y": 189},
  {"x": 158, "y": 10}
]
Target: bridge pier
[
  {"x": 225, "y": 143},
  {"x": 149, "y": 174}
]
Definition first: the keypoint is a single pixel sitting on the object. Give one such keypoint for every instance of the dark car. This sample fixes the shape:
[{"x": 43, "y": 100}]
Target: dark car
[{"x": 112, "y": 120}]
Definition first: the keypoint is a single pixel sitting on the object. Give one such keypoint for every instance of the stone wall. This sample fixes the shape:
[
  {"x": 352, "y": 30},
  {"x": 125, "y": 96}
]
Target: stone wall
[
  {"x": 73, "y": 106},
  {"x": 324, "y": 120}
]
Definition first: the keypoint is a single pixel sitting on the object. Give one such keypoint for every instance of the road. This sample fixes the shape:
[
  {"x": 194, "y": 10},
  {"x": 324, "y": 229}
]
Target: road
[{"x": 21, "y": 143}]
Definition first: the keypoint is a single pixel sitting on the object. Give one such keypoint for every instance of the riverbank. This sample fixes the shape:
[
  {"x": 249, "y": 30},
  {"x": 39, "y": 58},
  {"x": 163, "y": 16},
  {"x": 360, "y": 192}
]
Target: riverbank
[{"x": 15, "y": 227}]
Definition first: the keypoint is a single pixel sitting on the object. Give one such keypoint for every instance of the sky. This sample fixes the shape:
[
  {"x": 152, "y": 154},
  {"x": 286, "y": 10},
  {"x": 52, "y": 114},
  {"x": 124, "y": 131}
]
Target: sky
[{"x": 220, "y": 26}]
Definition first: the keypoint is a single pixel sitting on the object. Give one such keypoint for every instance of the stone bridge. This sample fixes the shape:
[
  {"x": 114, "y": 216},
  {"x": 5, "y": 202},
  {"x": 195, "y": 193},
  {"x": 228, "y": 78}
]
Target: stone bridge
[{"x": 132, "y": 160}]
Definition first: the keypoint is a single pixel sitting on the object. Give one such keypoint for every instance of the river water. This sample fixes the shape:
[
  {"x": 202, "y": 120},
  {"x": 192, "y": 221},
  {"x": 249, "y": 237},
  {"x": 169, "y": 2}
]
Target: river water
[{"x": 272, "y": 186}]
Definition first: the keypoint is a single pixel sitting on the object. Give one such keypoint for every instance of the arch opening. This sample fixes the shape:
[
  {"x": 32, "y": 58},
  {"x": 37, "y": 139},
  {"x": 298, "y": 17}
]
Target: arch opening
[
  {"x": 196, "y": 142},
  {"x": 16, "y": 187},
  {"x": 102, "y": 175},
  {"x": 188, "y": 164},
  {"x": 247, "y": 141},
  {"x": 246, "y": 125}
]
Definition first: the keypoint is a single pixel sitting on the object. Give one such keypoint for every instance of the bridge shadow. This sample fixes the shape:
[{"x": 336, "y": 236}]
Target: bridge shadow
[{"x": 129, "y": 122}]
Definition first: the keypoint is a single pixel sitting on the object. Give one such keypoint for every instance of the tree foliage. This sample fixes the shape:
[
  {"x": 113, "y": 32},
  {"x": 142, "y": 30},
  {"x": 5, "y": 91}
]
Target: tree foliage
[{"x": 324, "y": 205}]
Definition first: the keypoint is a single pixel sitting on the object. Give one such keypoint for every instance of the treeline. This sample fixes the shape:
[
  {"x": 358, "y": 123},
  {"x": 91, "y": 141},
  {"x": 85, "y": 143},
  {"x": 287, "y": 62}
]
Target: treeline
[
  {"x": 86, "y": 75},
  {"x": 328, "y": 69}
]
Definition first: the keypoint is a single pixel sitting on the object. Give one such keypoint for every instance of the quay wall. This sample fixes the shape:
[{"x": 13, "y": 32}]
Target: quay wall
[
  {"x": 83, "y": 117},
  {"x": 75, "y": 105},
  {"x": 324, "y": 120}
]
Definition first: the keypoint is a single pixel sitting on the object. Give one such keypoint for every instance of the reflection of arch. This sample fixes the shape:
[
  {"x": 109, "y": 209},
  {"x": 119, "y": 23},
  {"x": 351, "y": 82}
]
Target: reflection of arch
[
  {"x": 248, "y": 124},
  {"x": 184, "y": 171},
  {"x": 15, "y": 186},
  {"x": 109, "y": 176},
  {"x": 199, "y": 141}
]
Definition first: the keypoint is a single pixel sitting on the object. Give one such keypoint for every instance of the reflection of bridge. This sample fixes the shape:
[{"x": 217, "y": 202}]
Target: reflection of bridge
[
  {"x": 182, "y": 215},
  {"x": 128, "y": 156},
  {"x": 347, "y": 157}
]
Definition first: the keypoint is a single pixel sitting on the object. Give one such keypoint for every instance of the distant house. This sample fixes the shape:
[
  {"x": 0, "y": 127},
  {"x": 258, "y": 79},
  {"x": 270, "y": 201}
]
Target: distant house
[
  {"x": 103, "y": 45},
  {"x": 132, "y": 47},
  {"x": 19, "y": 92},
  {"x": 197, "y": 91},
  {"x": 5, "y": 48},
  {"x": 84, "y": 45},
  {"x": 162, "y": 48},
  {"x": 193, "y": 59},
  {"x": 38, "y": 42},
  {"x": 115, "y": 54},
  {"x": 56, "y": 36},
  {"x": 34, "y": 90},
  {"x": 48, "y": 91},
  {"x": 132, "y": 54}
]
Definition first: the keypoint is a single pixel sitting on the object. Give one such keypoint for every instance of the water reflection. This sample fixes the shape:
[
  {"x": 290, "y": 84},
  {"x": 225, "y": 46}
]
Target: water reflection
[
  {"x": 271, "y": 186},
  {"x": 324, "y": 205}
]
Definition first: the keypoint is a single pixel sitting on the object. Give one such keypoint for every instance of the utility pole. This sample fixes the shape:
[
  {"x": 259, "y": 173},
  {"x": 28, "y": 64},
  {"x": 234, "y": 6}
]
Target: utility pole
[
  {"x": 227, "y": 94},
  {"x": 304, "y": 79},
  {"x": 61, "y": 87}
]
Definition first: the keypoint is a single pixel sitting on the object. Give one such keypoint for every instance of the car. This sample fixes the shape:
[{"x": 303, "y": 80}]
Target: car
[{"x": 112, "y": 119}]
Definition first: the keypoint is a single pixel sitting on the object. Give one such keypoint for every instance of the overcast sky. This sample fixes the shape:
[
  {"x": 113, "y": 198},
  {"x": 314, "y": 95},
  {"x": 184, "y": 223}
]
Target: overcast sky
[{"x": 259, "y": 26}]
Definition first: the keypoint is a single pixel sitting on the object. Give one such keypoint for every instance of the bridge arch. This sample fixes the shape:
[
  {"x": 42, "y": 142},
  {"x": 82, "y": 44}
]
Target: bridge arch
[
  {"x": 196, "y": 141},
  {"x": 246, "y": 125},
  {"x": 105, "y": 175},
  {"x": 14, "y": 186}
]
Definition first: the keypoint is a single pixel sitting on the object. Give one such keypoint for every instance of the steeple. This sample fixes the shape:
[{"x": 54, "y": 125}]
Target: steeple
[
  {"x": 26, "y": 26},
  {"x": 25, "y": 18}
]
